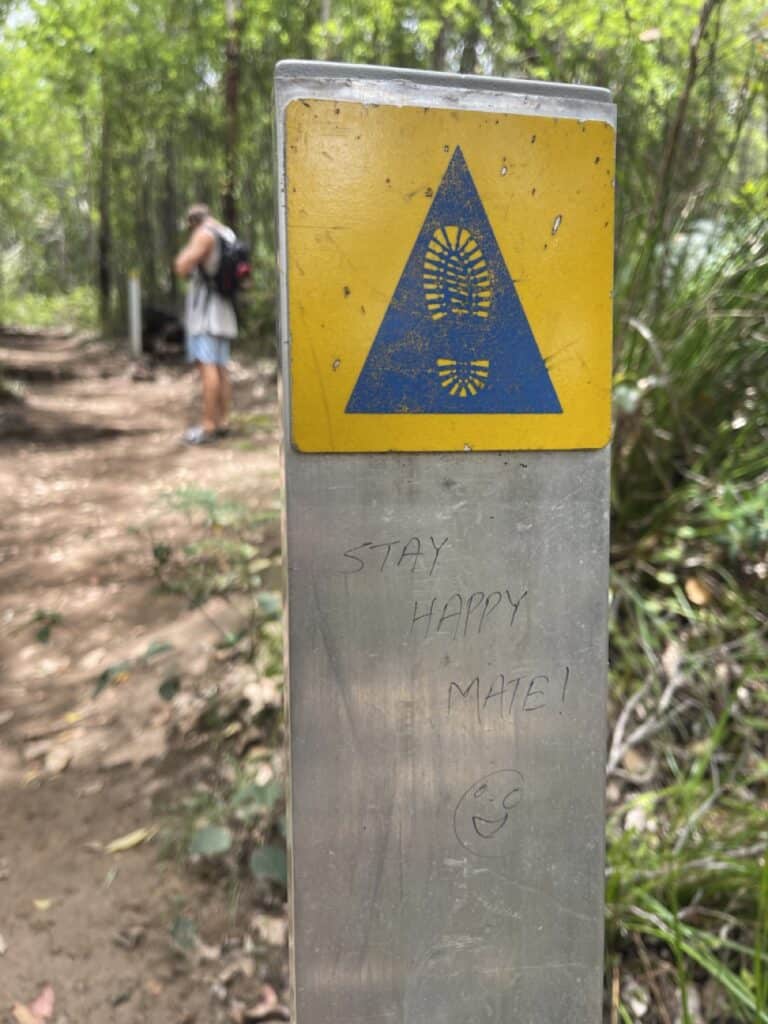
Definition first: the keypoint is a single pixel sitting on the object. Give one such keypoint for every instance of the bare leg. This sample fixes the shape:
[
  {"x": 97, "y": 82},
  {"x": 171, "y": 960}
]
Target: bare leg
[
  {"x": 209, "y": 375},
  {"x": 225, "y": 397}
]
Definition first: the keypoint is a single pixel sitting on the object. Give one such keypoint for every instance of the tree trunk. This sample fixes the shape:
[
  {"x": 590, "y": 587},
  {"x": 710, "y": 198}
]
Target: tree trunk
[
  {"x": 438, "y": 48},
  {"x": 105, "y": 225},
  {"x": 231, "y": 110},
  {"x": 146, "y": 233},
  {"x": 170, "y": 217},
  {"x": 469, "y": 51}
]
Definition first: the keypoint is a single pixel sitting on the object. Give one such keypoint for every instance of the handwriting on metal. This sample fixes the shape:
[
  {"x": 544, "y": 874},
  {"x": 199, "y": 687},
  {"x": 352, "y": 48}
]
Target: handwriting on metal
[{"x": 483, "y": 821}]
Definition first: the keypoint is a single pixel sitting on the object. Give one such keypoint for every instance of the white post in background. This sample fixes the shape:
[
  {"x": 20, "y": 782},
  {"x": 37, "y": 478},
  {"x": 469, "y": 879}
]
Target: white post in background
[{"x": 134, "y": 314}]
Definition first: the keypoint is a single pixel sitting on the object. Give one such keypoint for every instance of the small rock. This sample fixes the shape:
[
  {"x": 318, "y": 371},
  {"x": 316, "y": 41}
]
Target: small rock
[
  {"x": 273, "y": 930},
  {"x": 635, "y": 762},
  {"x": 206, "y": 953},
  {"x": 57, "y": 760},
  {"x": 91, "y": 661},
  {"x": 219, "y": 992},
  {"x": 637, "y": 999},
  {"x": 636, "y": 819},
  {"x": 242, "y": 967}
]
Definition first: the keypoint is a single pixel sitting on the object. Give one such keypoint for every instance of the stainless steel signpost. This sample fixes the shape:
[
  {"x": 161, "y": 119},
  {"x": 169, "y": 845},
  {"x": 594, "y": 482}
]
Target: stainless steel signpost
[{"x": 445, "y": 272}]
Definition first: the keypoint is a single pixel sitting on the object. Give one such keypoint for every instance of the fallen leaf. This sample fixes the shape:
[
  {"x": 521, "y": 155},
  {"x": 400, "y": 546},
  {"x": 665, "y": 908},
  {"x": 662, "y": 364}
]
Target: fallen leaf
[
  {"x": 3, "y": 946},
  {"x": 269, "y": 862},
  {"x": 57, "y": 760},
  {"x": 206, "y": 953},
  {"x": 267, "y": 1001},
  {"x": 38, "y": 1011},
  {"x": 43, "y": 904},
  {"x": 169, "y": 687},
  {"x": 268, "y": 1007},
  {"x": 39, "y": 748},
  {"x": 153, "y": 986},
  {"x": 697, "y": 591},
  {"x": 91, "y": 788},
  {"x": 135, "y": 838},
  {"x": 130, "y": 937},
  {"x": 157, "y": 647},
  {"x": 635, "y": 762},
  {"x": 671, "y": 661},
  {"x": 22, "y": 1015},
  {"x": 210, "y": 841},
  {"x": 242, "y": 967},
  {"x": 42, "y": 1007}
]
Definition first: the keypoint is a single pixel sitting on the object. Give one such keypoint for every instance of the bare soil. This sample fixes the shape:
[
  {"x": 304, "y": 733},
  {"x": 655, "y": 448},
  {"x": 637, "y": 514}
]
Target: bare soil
[{"x": 86, "y": 454}]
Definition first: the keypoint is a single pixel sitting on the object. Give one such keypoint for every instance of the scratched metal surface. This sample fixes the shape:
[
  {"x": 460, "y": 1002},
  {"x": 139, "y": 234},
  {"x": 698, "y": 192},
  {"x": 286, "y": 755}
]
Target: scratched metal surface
[{"x": 446, "y": 640}]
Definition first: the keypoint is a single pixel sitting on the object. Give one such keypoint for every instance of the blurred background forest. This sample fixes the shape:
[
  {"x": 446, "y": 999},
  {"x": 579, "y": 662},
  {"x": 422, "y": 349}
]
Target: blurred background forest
[{"x": 117, "y": 113}]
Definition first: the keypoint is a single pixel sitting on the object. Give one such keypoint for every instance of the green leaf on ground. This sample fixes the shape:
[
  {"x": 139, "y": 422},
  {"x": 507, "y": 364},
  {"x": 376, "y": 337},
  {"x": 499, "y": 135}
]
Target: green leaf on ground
[
  {"x": 116, "y": 673},
  {"x": 211, "y": 841},
  {"x": 270, "y": 602},
  {"x": 157, "y": 647},
  {"x": 169, "y": 687},
  {"x": 269, "y": 862}
]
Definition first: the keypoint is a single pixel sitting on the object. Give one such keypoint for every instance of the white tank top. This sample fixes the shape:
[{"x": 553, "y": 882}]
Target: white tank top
[{"x": 207, "y": 312}]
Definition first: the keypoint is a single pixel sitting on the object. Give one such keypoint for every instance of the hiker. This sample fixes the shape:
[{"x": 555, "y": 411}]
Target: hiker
[{"x": 210, "y": 320}]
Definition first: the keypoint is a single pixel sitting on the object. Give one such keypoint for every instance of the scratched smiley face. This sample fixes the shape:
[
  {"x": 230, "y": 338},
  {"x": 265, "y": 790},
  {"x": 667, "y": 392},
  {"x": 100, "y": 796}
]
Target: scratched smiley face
[{"x": 483, "y": 819}]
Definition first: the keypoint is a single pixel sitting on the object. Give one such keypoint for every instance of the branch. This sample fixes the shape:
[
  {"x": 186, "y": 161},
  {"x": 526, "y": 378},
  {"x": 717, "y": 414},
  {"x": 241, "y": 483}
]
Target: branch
[{"x": 673, "y": 140}]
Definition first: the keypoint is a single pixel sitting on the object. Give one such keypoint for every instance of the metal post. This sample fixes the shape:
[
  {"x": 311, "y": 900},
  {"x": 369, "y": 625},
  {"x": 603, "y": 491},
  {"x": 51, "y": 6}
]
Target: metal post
[
  {"x": 445, "y": 255},
  {"x": 134, "y": 314}
]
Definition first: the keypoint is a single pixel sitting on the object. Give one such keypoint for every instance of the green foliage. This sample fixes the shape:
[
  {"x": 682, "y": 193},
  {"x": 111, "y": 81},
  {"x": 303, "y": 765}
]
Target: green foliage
[
  {"x": 76, "y": 309},
  {"x": 206, "y": 545},
  {"x": 687, "y": 837},
  {"x": 220, "y": 555},
  {"x": 137, "y": 85},
  {"x": 120, "y": 671},
  {"x": 239, "y": 822}
]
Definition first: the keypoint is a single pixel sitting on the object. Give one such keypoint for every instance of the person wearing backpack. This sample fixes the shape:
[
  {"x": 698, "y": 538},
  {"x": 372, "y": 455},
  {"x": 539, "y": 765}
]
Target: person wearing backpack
[{"x": 216, "y": 263}]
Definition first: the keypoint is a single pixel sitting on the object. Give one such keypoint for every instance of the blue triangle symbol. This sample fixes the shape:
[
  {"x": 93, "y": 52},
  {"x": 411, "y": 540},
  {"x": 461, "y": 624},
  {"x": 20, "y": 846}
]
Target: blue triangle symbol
[{"x": 455, "y": 338}]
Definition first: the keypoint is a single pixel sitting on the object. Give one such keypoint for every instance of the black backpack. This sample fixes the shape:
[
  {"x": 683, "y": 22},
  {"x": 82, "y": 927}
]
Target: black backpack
[{"x": 234, "y": 268}]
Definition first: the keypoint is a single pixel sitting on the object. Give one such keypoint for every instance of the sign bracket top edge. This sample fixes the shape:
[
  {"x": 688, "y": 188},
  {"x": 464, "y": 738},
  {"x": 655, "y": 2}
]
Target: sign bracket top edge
[
  {"x": 296, "y": 80},
  {"x": 327, "y": 72}
]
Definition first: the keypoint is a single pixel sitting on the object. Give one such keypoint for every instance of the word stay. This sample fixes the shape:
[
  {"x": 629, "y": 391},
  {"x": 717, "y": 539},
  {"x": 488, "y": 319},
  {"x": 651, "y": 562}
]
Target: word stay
[{"x": 407, "y": 555}]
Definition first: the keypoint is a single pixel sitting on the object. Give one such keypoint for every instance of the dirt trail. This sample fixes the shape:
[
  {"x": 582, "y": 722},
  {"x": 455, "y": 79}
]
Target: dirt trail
[{"x": 84, "y": 463}]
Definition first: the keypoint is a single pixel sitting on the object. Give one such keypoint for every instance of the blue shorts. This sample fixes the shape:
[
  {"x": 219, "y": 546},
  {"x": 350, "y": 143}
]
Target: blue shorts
[{"x": 203, "y": 348}]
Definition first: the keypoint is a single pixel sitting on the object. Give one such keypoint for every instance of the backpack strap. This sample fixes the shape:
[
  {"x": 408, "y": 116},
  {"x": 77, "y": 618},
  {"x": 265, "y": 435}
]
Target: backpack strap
[{"x": 207, "y": 278}]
